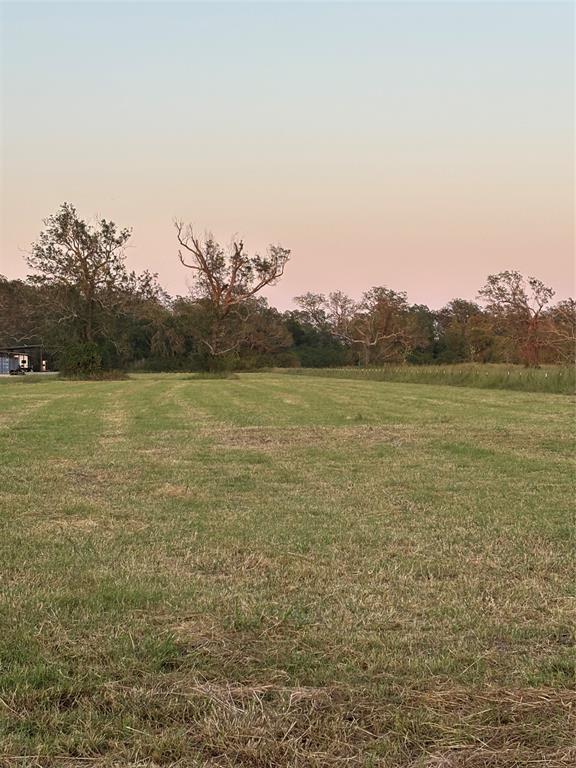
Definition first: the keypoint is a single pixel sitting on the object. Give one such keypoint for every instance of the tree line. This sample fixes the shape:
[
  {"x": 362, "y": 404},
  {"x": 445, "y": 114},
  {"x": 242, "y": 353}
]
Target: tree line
[{"x": 90, "y": 313}]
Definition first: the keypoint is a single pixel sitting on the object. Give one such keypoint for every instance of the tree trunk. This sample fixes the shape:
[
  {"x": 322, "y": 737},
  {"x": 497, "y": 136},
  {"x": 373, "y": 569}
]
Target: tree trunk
[
  {"x": 89, "y": 326},
  {"x": 531, "y": 349}
]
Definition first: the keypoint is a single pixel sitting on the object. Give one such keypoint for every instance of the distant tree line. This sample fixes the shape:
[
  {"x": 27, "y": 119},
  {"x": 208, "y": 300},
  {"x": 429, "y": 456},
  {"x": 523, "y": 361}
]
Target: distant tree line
[{"x": 91, "y": 313}]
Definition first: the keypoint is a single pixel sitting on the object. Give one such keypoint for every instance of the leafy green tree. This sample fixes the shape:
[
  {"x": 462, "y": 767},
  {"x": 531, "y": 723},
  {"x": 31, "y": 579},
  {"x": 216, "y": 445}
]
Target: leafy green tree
[
  {"x": 464, "y": 332},
  {"x": 420, "y": 335},
  {"x": 85, "y": 266},
  {"x": 315, "y": 343}
]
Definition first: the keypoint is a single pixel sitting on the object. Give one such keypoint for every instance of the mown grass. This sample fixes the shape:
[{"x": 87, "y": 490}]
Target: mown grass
[
  {"x": 552, "y": 378},
  {"x": 280, "y": 571}
]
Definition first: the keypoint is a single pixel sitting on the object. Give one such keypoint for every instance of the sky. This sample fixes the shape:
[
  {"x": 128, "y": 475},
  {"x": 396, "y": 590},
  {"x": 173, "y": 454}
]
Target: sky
[{"x": 419, "y": 146}]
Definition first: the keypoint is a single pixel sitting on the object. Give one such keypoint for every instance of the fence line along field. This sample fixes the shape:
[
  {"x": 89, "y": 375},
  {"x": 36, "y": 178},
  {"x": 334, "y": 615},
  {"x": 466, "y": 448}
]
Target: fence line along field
[
  {"x": 558, "y": 379},
  {"x": 276, "y": 570}
]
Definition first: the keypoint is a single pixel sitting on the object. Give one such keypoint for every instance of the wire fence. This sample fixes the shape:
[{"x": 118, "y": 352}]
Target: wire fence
[{"x": 551, "y": 379}]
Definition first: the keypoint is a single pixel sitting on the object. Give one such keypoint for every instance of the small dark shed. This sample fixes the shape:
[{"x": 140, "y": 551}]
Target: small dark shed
[{"x": 30, "y": 357}]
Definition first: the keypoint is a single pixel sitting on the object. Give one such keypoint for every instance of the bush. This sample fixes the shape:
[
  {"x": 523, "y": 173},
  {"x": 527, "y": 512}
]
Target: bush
[
  {"x": 157, "y": 364},
  {"x": 287, "y": 360},
  {"x": 80, "y": 360},
  {"x": 322, "y": 356},
  {"x": 209, "y": 375}
]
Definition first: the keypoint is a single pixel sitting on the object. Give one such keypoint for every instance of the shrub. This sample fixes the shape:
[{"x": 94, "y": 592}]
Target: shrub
[
  {"x": 287, "y": 360},
  {"x": 81, "y": 359},
  {"x": 157, "y": 364}
]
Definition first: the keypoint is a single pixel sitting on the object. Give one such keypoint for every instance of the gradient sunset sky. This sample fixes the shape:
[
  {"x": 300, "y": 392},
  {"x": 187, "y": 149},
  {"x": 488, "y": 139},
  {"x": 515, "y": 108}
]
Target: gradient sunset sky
[{"x": 420, "y": 146}]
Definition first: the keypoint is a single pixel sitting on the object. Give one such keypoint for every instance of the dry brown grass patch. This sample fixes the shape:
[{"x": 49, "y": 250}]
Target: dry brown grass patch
[
  {"x": 267, "y": 725},
  {"x": 174, "y": 490},
  {"x": 289, "y": 437}
]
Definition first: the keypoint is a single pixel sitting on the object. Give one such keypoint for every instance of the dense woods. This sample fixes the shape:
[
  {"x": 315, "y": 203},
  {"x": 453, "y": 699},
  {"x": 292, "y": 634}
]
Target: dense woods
[{"x": 91, "y": 313}]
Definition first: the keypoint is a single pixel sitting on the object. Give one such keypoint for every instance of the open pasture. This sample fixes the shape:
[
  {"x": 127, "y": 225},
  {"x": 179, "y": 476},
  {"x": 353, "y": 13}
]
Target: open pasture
[{"x": 278, "y": 570}]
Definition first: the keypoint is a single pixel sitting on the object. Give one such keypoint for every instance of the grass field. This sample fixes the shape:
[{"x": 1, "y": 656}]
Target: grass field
[{"x": 277, "y": 570}]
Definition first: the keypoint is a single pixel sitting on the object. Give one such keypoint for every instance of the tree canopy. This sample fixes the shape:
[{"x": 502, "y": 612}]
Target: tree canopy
[{"x": 83, "y": 304}]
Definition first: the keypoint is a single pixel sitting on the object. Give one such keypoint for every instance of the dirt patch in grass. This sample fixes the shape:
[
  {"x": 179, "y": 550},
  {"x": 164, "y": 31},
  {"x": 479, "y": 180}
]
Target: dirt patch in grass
[
  {"x": 98, "y": 478},
  {"x": 173, "y": 490}
]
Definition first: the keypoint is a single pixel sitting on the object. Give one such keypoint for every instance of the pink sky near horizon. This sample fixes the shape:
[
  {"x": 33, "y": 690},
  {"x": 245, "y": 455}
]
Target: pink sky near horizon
[{"x": 425, "y": 159}]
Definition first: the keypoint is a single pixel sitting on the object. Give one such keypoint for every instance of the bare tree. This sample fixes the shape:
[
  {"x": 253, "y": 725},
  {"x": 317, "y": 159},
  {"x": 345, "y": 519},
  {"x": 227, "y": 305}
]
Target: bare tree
[
  {"x": 227, "y": 280},
  {"x": 561, "y": 330},
  {"x": 518, "y": 305},
  {"x": 313, "y": 309},
  {"x": 375, "y": 324}
]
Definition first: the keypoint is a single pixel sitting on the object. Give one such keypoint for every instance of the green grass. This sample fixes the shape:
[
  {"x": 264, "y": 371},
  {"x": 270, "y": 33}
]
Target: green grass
[
  {"x": 285, "y": 571},
  {"x": 550, "y": 378}
]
